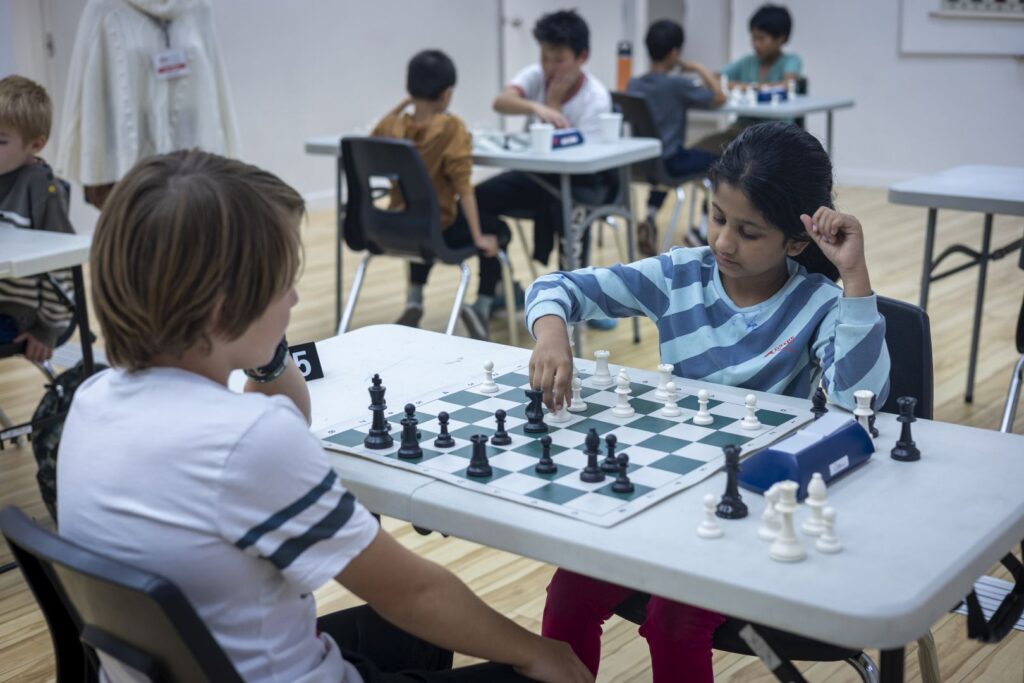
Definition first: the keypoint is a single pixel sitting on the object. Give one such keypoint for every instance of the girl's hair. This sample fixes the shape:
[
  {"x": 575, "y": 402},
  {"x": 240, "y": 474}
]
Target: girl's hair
[
  {"x": 184, "y": 235},
  {"x": 783, "y": 171}
]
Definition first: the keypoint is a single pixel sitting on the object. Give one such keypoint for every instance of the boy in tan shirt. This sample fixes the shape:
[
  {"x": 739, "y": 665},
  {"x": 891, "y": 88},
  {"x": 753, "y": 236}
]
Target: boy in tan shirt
[{"x": 446, "y": 149}]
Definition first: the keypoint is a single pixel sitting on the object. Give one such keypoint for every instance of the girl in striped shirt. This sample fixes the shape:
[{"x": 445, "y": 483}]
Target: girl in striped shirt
[{"x": 758, "y": 308}]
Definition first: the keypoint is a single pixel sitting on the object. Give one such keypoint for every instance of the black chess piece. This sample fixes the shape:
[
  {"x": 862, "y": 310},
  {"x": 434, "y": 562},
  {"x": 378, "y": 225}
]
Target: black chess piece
[
  {"x": 444, "y": 439},
  {"x": 546, "y": 464},
  {"x": 592, "y": 473},
  {"x": 501, "y": 437},
  {"x": 410, "y": 448},
  {"x": 610, "y": 465},
  {"x": 380, "y": 431},
  {"x": 479, "y": 467},
  {"x": 731, "y": 506},
  {"x": 905, "y": 449},
  {"x": 872, "y": 429},
  {"x": 819, "y": 403},
  {"x": 622, "y": 484},
  {"x": 534, "y": 413}
]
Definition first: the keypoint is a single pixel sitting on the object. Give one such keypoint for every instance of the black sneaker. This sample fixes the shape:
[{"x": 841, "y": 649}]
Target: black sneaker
[
  {"x": 647, "y": 237},
  {"x": 476, "y": 326},
  {"x": 411, "y": 315}
]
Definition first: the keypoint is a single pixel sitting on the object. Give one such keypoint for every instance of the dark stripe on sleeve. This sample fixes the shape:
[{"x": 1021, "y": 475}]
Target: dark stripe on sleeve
[
  {"x": 277, "y": 519},
  {"x": 324, "y": 529}
]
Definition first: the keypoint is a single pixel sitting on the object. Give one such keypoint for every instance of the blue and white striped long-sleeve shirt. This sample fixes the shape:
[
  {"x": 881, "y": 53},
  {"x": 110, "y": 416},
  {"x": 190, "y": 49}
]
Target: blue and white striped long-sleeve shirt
[{"x": 806, "y": 333}]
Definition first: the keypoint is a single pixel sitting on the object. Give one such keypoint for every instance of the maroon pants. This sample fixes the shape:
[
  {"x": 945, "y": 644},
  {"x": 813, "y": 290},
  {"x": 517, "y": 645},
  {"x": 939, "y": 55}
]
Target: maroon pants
[{"x": 678, "y": 635}]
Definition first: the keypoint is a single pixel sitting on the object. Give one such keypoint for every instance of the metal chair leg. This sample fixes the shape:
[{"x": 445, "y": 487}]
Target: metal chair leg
[
  {"x": 45, "y": 367},
  {"x": 693, "y": 205},
  {"x": 357, "y": 284},
  {"x": 673, "y": 222},
  {"x": 527, "y": 249},
  {"x": 865, "y": 667},
  {"x": 460, "y": 295},
  {"x": 510, "y": 298},
  {"x": 928, "y": 659},
  {"x": 1010, "y": 409}
]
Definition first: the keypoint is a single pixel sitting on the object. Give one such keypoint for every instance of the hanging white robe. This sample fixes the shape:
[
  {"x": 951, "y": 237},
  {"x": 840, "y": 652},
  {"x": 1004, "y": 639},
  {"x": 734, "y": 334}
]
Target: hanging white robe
[{"x": 117, "y": 111}]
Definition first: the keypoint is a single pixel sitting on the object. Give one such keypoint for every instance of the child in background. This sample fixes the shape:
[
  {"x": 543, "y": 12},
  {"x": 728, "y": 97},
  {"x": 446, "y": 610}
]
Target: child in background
[
  {"x": 193, "y": 268},
  {"x": 757, "y": 308},
  {"x": 446, "y": 149},
  {"x": 668, "y": 98},
  {"x": 31, "y": 311}
]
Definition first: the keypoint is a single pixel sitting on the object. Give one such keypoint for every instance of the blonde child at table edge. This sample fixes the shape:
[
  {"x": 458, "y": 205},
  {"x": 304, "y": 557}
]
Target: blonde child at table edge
[
  {"x": 229, "y": 495},
  {"x": 758, "y": 308}
]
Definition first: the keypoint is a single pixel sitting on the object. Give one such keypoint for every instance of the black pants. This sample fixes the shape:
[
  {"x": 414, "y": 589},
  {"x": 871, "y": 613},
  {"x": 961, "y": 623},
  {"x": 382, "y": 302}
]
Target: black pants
[
  {"x": 518, "y": 195},
  {"x": 458, "y": 235},
  {"x": 384, "y": 653},
  {"x": 681, "y": 163}
]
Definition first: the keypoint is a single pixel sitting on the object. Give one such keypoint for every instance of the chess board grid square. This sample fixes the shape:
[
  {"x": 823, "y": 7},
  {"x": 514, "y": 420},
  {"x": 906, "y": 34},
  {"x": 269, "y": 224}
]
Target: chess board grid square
[
  {"x": 512, "y": 461},
  {"x": 638, "y": 490},
  {"x": 555, "y": 493},
  {"x": 677, "y": 464},
  {"x": 665, "y": 444},
  {"x": 595, "y": 503},
  {"x": 496, "y": 475},
  {"x": 469, "y": 415},
  {"x": 562, "y": 471},
  {"x": 653, "y": 477},
  {"x": 534, "y": 449},
  {"x": 720, "y": 438}
]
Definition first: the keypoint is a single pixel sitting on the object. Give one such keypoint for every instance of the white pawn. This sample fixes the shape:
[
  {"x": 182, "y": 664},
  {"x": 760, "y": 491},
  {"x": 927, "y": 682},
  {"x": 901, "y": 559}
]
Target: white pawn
[
  {"x": 703, "y": 417},
  {"x": 623, "y": 409},
  {"x": 671, "y": 409},
  {"x": 751, "y": 96},
  {"x": 863, "y": 410},
  {"x": 769, "y": 518},
  {"x": 602, "y": 376},
  {"x": 665, "y": 370},
  {"x": 776, "y": 99},
  {"x": 560, "y": 415},
  {"x": 786, "y": 546},
  {"x": 709, "y": 528},
  {"x": 790, "y": 89},
  {"x": 828, "y": 542},
  {"x": 750, "y": 420},
  {"x": 577, "y": 404},
  {"x": 489, "y": 386},
  {"x": 815, "y": 524}
]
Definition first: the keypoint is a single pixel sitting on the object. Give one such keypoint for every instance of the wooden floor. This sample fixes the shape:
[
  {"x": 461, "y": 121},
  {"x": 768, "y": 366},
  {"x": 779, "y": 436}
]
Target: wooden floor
[{"x": 514, "y": 585}]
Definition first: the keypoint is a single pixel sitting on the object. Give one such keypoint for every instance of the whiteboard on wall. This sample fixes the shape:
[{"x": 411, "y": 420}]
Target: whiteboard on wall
[{"x": 926, "y": 28}]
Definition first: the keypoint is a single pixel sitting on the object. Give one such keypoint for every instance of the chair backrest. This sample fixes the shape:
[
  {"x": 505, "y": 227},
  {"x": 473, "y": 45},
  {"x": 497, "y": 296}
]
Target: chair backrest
[
  {"x": 801, "y": 89},
  {"x": 415, "y": 230},
  {"x": 131, "y": 615},
  {"x": 73, "y": 663},
  {"x": 636, "y": 113},
  {"x": 909, "y": 339}
]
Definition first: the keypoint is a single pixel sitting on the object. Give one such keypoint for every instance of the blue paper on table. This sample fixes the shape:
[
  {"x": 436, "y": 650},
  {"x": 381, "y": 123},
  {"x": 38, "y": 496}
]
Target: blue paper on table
[
  {"x": 566, "y": 137},
  {"x": 832, "y": 445},
  {"x": 765, "y": 95}
]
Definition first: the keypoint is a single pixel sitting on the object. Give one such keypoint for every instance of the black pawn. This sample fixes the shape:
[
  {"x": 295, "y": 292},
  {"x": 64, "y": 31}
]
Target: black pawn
[
  {"x": 592, "y": 473},
  {"x": 379, "y": 436},
  {"x": 731, "y": 506},
  {"x": 905, "y": 449},
  {"x": 819, "y": 403},
  {"x": 501, "y": 437},
  {"x": 872, "y": 429},
  {"x": 444, "y": 439},
  {"x": 534, "y": 413},
  {"x": 479, "y": 468},
  {"x": 410, "y": 448},
  {"x": 546, "y": 464},
  {"x": 610, "y": 465},
  {"x": 622, "y": 484}
]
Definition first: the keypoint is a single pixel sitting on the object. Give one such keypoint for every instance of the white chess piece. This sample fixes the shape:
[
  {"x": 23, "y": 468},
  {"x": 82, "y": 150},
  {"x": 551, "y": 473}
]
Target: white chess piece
[
  {"x": 623, "y": 409},
  {"x": 735, "y": 96},
  {"x": 602, "y": 376},
  {"x": 791, "y": 89},
  {"x": 863, "y": 410},
  {"x": 703, "y": 417},
  {"x": 560, "y": 415},
  {"x": 665, "y": 372},
  {"x": 751, "y": 99},
  {"x": 828, "y": 542},
  {"x": 577, "y": 404},
  {"x": 816, "y": 501},
  {"x": 786, "y": 546},
  {"x": 671, "y": 409},
  {"x": 750, "y": 420},
  {"x": 723, "y": 81},
  {"x": 709, "y": 527},
  {"x": 776, "y": 99},
  {"x": 489, "y": 386},
  {"x": 769, "y": 518}
]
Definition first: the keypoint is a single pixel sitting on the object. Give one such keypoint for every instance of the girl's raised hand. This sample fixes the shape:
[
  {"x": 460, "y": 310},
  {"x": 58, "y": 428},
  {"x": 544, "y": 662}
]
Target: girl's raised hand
[{"x": 841, "y": 238}]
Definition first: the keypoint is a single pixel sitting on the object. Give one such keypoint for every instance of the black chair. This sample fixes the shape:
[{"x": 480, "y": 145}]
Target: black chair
[
  {"x": 637, "y": 114},
  {"x": 1013, "y": 396},
  {"x": 801, "y": 89},
  {"x": 908, "y": 338},
  {"x": 138, "y": 618},
  {"x": 414, "y": 232}
]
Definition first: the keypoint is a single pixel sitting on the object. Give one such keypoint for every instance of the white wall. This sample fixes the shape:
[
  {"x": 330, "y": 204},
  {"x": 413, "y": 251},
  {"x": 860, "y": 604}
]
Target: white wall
[
  {"x": 913, "y": 114},
  {"x": 8, "y": 65}
]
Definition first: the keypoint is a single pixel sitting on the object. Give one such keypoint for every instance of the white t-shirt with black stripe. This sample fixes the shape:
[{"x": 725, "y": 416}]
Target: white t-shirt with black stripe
[
  {"x": 583, "y": 104},
  {"x": 227, "y": 495}
]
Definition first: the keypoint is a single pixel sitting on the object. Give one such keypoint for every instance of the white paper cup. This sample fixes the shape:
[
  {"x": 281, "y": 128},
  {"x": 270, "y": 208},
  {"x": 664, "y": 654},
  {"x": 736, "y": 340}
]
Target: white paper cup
[
  {"x": 611, "y": 127},
  {"x": 540, "y": 137}
]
